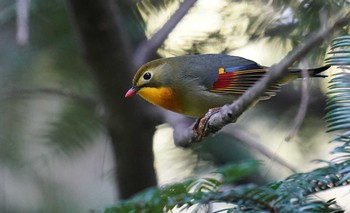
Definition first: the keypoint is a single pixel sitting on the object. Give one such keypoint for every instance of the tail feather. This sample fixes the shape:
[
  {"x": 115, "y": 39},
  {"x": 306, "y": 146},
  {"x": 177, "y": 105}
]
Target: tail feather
[
  {"x": 316, "y": 71},
  {"x": 313, "y": 72}
]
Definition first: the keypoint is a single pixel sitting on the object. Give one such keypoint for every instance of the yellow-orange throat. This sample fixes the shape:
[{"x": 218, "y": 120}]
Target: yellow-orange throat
[{"x": 161, "y": 96}]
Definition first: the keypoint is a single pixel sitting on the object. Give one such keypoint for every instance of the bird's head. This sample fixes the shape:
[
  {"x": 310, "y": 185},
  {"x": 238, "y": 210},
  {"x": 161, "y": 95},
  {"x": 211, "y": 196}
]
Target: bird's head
[
  {"x": 155, "y": 83},
  {"x": 153, "y": 74}
]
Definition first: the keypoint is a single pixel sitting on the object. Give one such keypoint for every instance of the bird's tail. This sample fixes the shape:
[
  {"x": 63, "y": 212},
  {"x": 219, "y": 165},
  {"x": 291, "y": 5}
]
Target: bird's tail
[{"x": 313, "y": 72}]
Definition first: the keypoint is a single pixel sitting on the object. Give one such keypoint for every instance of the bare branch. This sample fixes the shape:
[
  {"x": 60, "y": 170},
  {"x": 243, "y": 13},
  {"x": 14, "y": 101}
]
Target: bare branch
[
  {"x": 149, "y": 47},
  {"x": 106, "y": 49},
  {"x": 305, "y": 96},
  {"x": 251, "y": 142},
  {"x": 230, "y": 113},
  {"x": 22, "y": 33}
]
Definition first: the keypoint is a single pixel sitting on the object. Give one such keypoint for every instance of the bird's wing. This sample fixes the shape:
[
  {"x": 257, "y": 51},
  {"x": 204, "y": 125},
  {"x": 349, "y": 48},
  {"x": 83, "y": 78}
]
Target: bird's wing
[{"x": 238, "y": 79}]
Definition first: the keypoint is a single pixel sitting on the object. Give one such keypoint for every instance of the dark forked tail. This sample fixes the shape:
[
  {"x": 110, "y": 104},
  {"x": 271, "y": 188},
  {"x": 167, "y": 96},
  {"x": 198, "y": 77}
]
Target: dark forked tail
[{"x": 313, "y": 72}]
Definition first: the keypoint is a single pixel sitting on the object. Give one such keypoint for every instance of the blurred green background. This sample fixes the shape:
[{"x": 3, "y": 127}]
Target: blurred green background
[{"x": 55, "y": 152}]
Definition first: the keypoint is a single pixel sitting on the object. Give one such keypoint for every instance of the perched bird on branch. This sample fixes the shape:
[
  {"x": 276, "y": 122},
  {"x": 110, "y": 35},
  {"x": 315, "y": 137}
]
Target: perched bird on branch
[{"x": 194, "y": 84}]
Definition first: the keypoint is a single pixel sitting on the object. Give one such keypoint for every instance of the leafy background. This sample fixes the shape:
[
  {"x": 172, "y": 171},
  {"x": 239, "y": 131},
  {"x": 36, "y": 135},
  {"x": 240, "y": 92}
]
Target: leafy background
[{"x": 55, "y": 152}]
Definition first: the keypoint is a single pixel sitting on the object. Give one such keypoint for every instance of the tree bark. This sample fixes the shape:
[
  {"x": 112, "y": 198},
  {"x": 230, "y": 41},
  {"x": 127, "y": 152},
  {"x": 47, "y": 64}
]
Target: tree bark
[{"x": 108, "y": 54}]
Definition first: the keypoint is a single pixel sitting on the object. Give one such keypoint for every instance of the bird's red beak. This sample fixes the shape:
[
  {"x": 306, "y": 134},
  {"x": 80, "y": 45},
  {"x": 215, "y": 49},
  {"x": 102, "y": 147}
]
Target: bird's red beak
[{"x": 132, "y": 91}]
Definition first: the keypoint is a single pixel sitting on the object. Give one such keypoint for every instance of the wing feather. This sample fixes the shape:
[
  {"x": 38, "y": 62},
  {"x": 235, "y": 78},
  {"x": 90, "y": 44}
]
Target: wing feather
[{"x": 237, "y": 80}]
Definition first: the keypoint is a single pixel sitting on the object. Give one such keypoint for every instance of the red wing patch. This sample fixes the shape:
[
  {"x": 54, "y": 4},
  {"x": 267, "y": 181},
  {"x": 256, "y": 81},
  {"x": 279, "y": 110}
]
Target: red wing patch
[
  {"x": 236, "y": 82},
  {"x": 224, "y": 81}
]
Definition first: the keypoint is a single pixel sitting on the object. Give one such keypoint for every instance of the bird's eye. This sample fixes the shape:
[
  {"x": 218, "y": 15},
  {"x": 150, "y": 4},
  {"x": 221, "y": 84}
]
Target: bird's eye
[{"x": 147, "y": 75}]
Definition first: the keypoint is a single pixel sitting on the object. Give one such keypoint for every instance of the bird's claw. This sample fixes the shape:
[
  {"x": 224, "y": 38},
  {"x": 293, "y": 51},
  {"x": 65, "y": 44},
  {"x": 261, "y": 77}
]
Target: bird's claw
[{"x": 200, "y": 126}]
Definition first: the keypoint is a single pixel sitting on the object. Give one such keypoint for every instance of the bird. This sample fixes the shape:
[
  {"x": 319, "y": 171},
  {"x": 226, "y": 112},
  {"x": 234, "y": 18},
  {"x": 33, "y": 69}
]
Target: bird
[{"x": 192, "y": 85}]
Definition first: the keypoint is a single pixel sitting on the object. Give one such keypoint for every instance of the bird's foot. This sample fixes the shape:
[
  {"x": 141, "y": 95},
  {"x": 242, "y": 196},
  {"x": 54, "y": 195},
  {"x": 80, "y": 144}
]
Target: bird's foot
[{"x": 201, "y": 123}]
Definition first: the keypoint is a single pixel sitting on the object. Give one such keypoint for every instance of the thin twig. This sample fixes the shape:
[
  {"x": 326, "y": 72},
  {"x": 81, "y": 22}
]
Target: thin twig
[
  {"x": 305, "y": 96},
  {"x": 22, "y": 33},
  {"x": 150, "y": 46},
  {"x": 305, "y": 93},
  {"x": 230, "y": 113},
  {"x": 251, "y": 142}
]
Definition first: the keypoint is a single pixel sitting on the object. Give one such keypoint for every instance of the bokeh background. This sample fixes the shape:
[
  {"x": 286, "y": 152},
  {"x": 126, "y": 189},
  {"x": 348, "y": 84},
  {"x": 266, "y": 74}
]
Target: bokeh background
[{"x": 56, "y": 153}]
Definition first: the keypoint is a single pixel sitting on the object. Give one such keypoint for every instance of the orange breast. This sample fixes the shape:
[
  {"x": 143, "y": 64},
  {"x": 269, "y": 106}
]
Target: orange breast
[{"x": 162, "y": 96}]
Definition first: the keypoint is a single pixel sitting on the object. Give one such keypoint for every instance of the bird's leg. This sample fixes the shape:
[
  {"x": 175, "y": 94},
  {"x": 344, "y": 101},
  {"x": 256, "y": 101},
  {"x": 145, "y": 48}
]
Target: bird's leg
[{"x": 201, "y": 123}]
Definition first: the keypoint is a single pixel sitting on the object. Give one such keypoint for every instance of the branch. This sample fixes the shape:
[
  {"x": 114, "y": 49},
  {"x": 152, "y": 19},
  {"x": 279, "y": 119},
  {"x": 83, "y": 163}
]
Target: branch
[
  {"x": 150, "y": 46},
  {"x": 249, "y": 141},
  {"x": 305, "y": 96},
  {"x": 106, "y": 50},
  {"x": 230, "y": 113},
  {"x": 22, "y": 32}
]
